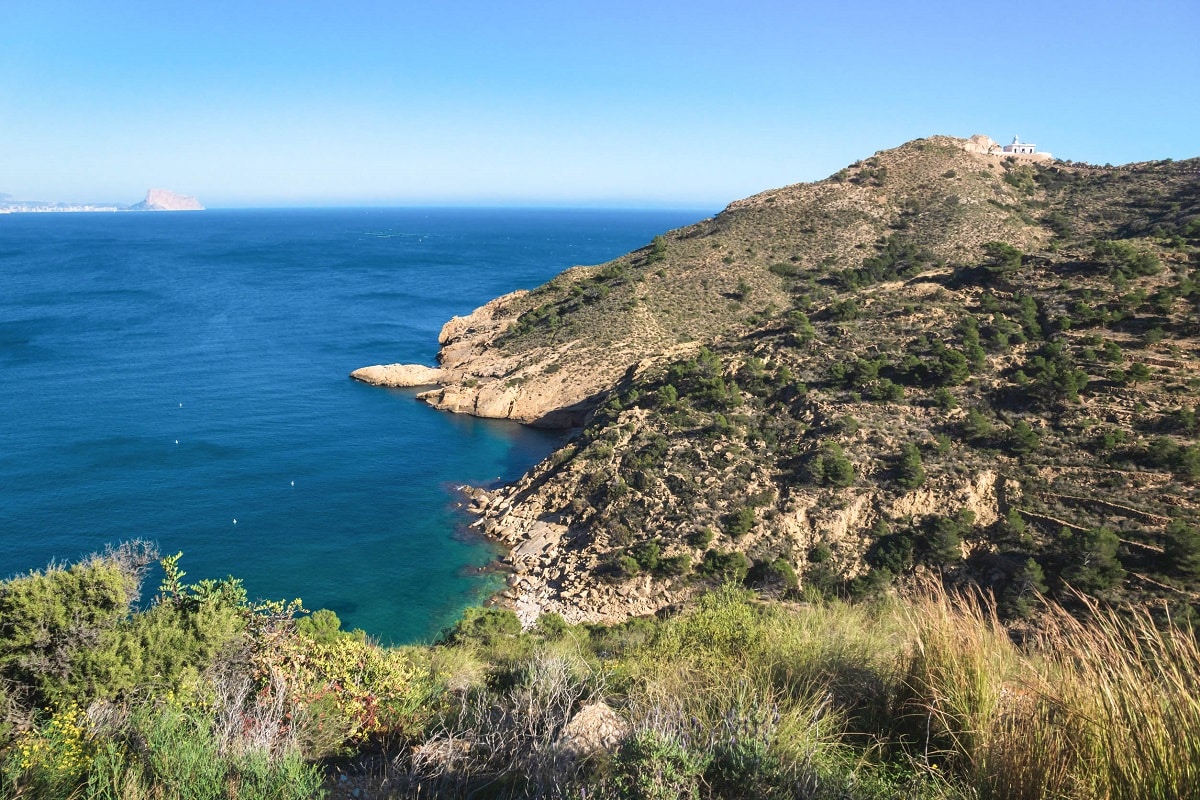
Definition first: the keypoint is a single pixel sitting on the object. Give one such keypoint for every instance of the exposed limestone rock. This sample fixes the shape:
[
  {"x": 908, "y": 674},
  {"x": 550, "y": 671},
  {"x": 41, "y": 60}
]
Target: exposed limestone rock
[
  {"x": 398, "y": 375},
  {"x": 982, "y": 144}
]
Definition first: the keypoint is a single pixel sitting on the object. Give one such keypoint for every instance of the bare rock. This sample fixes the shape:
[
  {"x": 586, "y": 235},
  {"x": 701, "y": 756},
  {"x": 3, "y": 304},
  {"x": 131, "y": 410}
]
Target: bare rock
[
  {"x": 595, "y": 728},
  {"x": 398, "y": 375}
]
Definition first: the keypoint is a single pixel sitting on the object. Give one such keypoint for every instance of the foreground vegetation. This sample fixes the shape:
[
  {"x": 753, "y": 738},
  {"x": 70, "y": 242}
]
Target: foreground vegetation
[{"x": 202, "y": 694}]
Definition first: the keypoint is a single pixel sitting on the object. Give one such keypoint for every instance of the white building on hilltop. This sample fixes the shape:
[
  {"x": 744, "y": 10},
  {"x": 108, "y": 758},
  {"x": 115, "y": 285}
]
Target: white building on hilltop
[{"x": 1020, "y": 148}]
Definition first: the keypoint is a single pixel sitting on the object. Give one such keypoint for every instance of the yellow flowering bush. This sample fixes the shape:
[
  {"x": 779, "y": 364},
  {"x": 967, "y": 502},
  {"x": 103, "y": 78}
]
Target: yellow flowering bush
[
  {"x": 53, "y": 758},
  {"x": 345, "y": 690}
]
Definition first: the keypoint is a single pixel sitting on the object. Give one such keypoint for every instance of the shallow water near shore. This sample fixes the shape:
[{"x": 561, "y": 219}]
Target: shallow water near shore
[{"x": 182, "y": 378}]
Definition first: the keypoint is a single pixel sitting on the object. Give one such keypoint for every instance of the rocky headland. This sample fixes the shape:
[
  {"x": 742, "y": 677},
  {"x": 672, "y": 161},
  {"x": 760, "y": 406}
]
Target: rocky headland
[
  {"x": 836, "y": 386},
  {"x": 164, "y": 200}
]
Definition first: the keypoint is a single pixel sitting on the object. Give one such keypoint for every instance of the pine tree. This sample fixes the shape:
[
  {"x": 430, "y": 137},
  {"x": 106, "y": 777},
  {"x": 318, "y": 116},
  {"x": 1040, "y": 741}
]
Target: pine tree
[
  {"x": 1182, "y": 550},
  {"x": 1020, "y": 596},
  {"x": 910, "y": 472}
]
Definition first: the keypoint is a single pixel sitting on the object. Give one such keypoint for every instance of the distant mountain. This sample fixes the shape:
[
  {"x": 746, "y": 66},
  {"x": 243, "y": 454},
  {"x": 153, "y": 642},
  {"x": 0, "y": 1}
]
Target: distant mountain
[{"x": 164, "y": 200}]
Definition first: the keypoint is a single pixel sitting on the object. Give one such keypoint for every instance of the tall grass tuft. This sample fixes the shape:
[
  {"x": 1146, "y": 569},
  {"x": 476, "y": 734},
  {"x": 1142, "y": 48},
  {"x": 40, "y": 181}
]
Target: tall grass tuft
[
  {"x": 953, "y": 678},
  {"x": 1128, "y": 693},
  {"x": 1105, "y": 706}
]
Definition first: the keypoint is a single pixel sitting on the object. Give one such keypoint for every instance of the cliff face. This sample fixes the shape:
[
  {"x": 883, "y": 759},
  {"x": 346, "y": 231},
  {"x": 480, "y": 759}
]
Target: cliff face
[
  {"x": 934, "y": 359},
  {"x": 163, "y": 200}
]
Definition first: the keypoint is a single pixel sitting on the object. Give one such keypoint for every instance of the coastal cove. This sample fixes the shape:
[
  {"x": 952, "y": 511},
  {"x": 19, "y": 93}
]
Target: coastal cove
[{"x": 166, "y": 375}]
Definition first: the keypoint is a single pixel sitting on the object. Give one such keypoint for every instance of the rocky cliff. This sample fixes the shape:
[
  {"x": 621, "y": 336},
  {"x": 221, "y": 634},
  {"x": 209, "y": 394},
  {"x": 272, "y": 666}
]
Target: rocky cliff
[{"x": 935, "y": 359}]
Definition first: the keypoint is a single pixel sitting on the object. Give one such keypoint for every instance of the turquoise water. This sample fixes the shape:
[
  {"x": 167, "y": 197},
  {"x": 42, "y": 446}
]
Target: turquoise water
[{"x": 167, "y": 374}]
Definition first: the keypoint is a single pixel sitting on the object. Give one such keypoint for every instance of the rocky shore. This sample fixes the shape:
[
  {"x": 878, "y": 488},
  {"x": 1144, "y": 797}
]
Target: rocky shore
[
  {"x": 475, "y": 376},
  {"x": 551, "y": 568}
]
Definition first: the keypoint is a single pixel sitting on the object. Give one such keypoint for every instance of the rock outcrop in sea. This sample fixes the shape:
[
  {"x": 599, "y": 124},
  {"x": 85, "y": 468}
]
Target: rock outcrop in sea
[{"x": 164, "y": 200}]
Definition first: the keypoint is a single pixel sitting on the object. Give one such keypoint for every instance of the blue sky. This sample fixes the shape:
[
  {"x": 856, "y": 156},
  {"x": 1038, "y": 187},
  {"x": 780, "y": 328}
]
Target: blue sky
[{"x": 615, "y": 103}]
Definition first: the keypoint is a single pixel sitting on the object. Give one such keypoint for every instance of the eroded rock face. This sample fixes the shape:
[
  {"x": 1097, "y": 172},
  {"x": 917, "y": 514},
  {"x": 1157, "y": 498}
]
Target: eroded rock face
[{"x": 477, "y": 377}]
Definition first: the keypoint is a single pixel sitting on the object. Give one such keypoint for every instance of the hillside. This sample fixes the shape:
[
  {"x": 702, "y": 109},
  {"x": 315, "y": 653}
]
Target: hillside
[{"x": 933, "y": 359}]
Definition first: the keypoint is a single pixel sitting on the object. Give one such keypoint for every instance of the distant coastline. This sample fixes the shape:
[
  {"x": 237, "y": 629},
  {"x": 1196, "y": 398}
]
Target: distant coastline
[
  {"x": 34, "y": 207},
  {"x": 155, "y": 200}
]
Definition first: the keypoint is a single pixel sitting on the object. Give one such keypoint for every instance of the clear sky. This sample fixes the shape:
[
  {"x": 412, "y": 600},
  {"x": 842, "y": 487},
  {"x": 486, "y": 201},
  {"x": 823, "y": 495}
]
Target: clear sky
[{"x": 643, "y": 103}]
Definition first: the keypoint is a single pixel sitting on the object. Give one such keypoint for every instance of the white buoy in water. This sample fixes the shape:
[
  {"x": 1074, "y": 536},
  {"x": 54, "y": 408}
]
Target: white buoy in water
[{"x": 235, "y": 522}]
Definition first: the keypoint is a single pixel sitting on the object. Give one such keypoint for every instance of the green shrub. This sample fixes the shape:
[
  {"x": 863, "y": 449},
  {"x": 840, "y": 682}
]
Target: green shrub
[
  {"x": 776, "y": 575},
  {"x": 738, "y": 523},
  {"x": 910, "y": 472},
  {"x": 1019, "y": 597},
  {"x": 725, "y": 567},
  {"x": 657, "y": 766},
  {"x": 1001, "y": 258},
  {"x": 1181, "y": 549},
  {"x": 1092, "y": 563},
  {"x": 701, "y": 539},
  {"x": 829, "y": 466},
  {"x": 484, "y": 626},
  {"x": 657, "y": 251},
  {"x": 675, "y": 565},
  {"x": 1022, "y": 439},
  {"x": 942, "y": 538},
  {"x": 50, "y": 620}
]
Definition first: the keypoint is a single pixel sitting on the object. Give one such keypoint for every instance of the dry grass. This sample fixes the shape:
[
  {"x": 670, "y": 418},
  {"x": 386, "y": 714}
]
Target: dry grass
[{"x": 1100, "y": 707}]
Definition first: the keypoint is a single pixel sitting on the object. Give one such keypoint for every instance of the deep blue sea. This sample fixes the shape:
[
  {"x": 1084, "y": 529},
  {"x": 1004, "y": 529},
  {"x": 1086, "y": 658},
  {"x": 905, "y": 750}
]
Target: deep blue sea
[{"x": 163, "y": 375}]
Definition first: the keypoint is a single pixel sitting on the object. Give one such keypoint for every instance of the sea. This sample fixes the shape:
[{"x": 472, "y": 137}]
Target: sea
[{"x": 182, "y": 378}]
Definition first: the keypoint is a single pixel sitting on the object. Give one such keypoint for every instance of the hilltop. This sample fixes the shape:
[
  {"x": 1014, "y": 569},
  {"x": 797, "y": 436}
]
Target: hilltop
[{"x": 932, "y": 359}]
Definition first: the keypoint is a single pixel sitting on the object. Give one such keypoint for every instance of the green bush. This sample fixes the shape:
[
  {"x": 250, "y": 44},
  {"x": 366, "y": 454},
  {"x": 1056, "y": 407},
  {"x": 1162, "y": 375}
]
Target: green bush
[
  {"x": 1092, "y": 563},
  {"x": 941, "y": 542},
  {"x": 484, "y": 626},
  {"x": 738, "y": 523},
  {"x": 71, "y": 634},
  {"x": 701, "y": 538},
  {"x": 910, "y": 472},
  {"x": 829, "y": 466},
  {"x": 656, "y": 766},
  {"x": 1001, "y": 258},
  {"x": 322, "y": 625},
  {"x": 776, "y": 575},
  {"x": 1181, "y": 549},
  {"x": 725, "y": 567},
  {"x": 1020, "y": 596}
]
